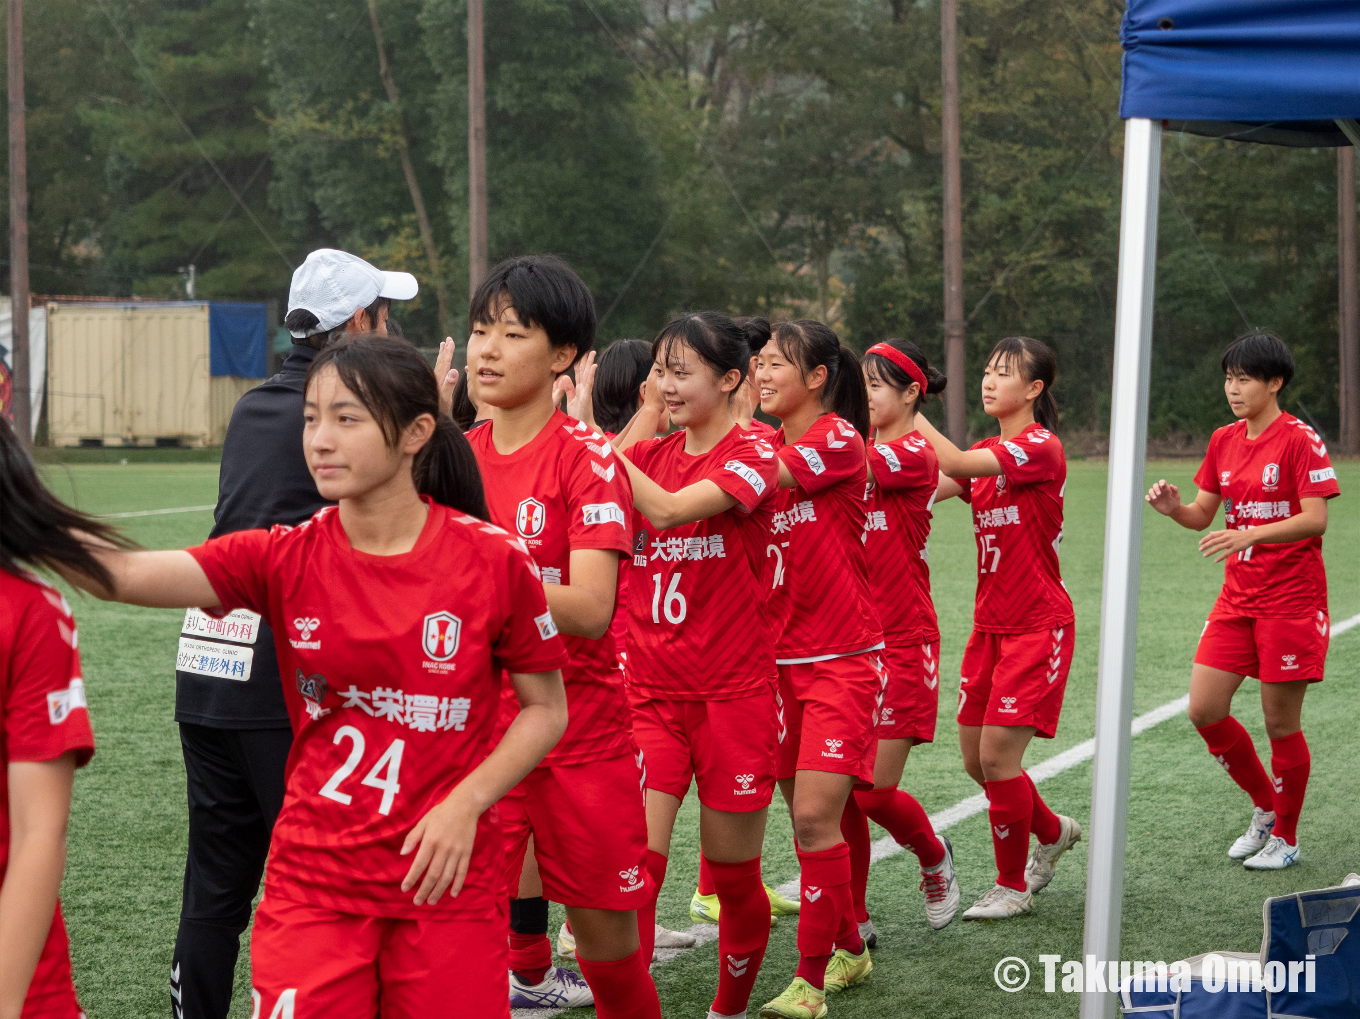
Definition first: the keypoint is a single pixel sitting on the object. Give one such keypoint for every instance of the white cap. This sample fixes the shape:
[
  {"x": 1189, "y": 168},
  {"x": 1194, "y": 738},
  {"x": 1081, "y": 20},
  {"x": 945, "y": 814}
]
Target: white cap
[{"x": 333, "y": 285}]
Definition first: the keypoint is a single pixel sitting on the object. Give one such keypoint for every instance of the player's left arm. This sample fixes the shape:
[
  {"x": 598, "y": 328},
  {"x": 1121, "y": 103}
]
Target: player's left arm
[
  {"x": 955, "y": 462},
  {"x": 584, "y": 607},
  {"x": 665, "y": 510},
  {"x": 443, "y": 839},
  {"x": 1309, "y": 522},
  {"x": 39, "y": 805},
  {"x": 947, "y": 488}
]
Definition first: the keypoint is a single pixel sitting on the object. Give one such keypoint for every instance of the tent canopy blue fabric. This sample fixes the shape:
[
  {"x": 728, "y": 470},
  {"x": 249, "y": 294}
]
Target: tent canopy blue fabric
[
  {"x": 238, "y": 339},
  {"x": 1281, "y": 71}
]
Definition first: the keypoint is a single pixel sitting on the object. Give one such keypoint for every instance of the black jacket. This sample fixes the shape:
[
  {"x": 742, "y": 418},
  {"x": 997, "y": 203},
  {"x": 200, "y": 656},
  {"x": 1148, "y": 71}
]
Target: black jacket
[{"x": 263, "y": 481}]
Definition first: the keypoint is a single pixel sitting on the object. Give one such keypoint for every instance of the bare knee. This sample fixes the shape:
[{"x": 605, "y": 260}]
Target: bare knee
[
  {"x": 815, "y": 832},
  {"x": 1203, "y": 714}
]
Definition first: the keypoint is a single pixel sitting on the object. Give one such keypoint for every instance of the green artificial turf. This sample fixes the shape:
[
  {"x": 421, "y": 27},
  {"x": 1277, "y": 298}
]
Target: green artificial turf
[{"x": 1183, "y": 896}]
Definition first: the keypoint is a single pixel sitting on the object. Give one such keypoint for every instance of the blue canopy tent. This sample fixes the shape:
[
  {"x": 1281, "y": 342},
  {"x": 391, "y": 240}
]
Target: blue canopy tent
[{"x": 1278, "y": 71}]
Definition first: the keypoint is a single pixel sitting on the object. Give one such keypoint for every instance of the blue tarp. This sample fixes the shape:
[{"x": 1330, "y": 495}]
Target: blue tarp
[
  {"x": 238, "y": 339},
  {"x": 1290, "y": 66}
]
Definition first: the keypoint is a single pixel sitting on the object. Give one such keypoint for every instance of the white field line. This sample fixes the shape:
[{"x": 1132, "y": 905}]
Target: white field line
[
  {"x": 157, "y": 512},
  {"x": 950, "y": 816}
]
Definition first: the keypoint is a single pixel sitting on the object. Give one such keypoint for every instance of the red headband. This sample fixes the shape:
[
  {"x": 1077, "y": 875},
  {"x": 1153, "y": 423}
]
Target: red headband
[{"x": 902, "y": 361}]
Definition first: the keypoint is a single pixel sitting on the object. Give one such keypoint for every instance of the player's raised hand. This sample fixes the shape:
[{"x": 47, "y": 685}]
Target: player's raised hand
[
  {"x": 445, "y": 375},
  {"x": 563, "y": 391},
  {"x": 1164, "y": 497},
  {"x": 580, "y": 398},
  {"x": 442, "y": 841}
]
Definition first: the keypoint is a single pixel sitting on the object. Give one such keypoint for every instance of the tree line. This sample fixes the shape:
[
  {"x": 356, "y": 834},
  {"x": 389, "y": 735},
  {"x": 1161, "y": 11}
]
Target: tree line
[{"x": 779, "y": 157}]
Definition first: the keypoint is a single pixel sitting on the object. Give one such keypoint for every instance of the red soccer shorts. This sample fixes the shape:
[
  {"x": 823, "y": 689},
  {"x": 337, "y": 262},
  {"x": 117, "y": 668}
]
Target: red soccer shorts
[
  {"x": 731, "y": 746},
  {"x": 913, "y": 695},
  {"x": 830, "y": 710},
  {"x": 51, "y": 993},
  {"x": 312, "y": 963},
  {"x": 1272, "y": 650},
  {"x": 590, "y": 832},
  {"x": 1016, "y": 678}
]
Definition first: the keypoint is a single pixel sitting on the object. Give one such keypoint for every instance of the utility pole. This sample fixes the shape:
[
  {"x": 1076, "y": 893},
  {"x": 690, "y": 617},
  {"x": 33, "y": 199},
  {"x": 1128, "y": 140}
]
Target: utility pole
[
  {"x": 18, "y": 224},
  {"x": 1349, "y": 299},
  {"x": 955, "y": 397},
  {"x": 476, "y": 148}
]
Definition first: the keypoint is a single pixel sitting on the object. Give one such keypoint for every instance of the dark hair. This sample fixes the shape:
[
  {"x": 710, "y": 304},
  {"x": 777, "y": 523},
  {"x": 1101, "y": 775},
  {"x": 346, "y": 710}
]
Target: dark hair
[
  {"x": 621, "y": 369},
  {"x": 300, "y": 320},
  {"x": 810, "y": 344},
  {"x": 1037, "y": 363},
  {"x": 35, "y": 526},
  {"x": 1261, "y": 355},
  {"x": 891, "y": 374},
  {"x": 393, "y": 380},
  {"x": 757, "y": 330},
  {"x": 717, "y": 340},
  {"x": 463, "y": 411},
  {"x": 544, "y": 291}
]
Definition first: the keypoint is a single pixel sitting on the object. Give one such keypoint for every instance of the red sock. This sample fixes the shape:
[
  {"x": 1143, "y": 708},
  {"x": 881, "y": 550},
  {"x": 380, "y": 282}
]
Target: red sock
[
  {"x": 1009, "y": 811},
  {"x": 855, "y": 831},
  {"x": 825, "y": 881},
  {"x": 743, "y": 932},
  {"x": 848, "y": 936},
  {"x": 1042, "y": 821},
  {"x": 906, "y": 821},
  {"x": 706, "y": 879},
  {"x": 1290, "y": 762},
  {"x": 530, "y": 956},
  {"x": 1231, "y": 744},
  {"x": 623, "y": 989},
  {"x": 646, "y": 914}
]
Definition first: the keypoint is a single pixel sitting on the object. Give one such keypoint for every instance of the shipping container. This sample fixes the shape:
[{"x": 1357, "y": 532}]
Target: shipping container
[{"x": 148, "y": 373}]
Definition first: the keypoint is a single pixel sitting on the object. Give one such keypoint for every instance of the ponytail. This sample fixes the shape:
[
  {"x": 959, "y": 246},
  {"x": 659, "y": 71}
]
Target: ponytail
[
  {"x": 1036, "y": 363},
  {"x": 395, "y": 383},
  {"x": 36, "y": 526},
  {"x": 810, "y": 344}
]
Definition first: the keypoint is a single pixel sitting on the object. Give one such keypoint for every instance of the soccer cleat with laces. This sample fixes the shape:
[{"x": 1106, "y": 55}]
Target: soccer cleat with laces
[
  {"x": 1044, "y": 857},
  {"x": 847, "y": 970},
  {"x": 705, "y": 909},
  {"x": 1254, "y": 839},
  {"x": 566, "y": 943},
  {"x": 868, "y": 934},
  {"x": 1277, "y": 855},
  {"x": 800, "y": 1000},
  {"x": 941, "y": 888},
  {"x": 560, "y": 988},
  {"x": 1000, "y": 903},
  {"x": 667, "y": 938}
]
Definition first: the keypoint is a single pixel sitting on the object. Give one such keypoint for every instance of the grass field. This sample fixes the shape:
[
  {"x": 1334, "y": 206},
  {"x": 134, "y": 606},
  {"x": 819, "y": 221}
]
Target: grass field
[{"x": 1183, "y": 896}]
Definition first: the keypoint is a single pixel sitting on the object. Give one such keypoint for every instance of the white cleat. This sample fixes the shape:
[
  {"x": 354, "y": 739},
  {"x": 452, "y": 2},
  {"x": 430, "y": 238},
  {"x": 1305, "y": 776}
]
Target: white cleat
[
  {"x": 941, "y": 888},
  {"x": 560, "y": 988},
  {"x": 566, "y": 943},
  {"x": 1000, "y": 903},
  {"x": 1351, "y": 881},
  {"x": 714, "y": 1015},
  {"x": 1277, "y": 855},
  {"x": 1044, "y": 857},
  {"x": 1256, "y": 836},
  {"x": 667, "y": 938},
  {"x": 867, "y": 933}
]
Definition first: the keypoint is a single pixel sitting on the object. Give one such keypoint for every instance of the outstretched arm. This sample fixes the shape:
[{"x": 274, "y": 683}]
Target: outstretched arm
[
  {"x": 1309, "y": 522},
  {"x": 158, "y": 580},
  {"x": 698, "y": 501},
  {"x": 955, "y": 462}
]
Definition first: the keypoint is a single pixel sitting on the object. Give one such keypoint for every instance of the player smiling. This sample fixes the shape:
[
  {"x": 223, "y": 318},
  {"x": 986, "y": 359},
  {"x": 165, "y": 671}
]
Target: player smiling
[
  {"x": 1272, "y": 475},
  {"x": 558, "y": 484},
  {"x": 395, "y": 613},
  {"x": 1015, "y": 666},
  {"x": 827, "y": 641}
]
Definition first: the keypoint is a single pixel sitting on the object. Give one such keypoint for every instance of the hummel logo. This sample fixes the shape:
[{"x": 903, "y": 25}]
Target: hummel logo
[
  {"x": 631, "y": 876},
  {"x": 1002, "y": 830},
  {"x": 833, "y": 746},
  {"x": 306, "y": 626},
  {"x": 737, "y": 967},
  {"x": 745, "y": 780},
  {"x": 1321, "y": 623},
  {"x": 1219, "y": 758},
  {"x": 1279, "y": 784},
  {"x": 812, "y": 893},
  {"x": 1289, "y": 662},
  {"x": 1009, "y": 706}
]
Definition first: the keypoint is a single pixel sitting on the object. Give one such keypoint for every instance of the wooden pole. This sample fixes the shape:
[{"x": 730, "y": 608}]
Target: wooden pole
[
  {"x": 955, "y": 397},
  {"x": 1349, "y": 300},
  {"x": 18, "y": 224},
  {"x": 477, "y": 257}
]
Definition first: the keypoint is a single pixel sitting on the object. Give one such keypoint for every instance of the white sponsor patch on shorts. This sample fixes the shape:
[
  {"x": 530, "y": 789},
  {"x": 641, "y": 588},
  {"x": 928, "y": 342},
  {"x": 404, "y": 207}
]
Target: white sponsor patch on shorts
[
  {"x": 60, "y": 703},
  {"x": 814, "y": 461},
  {"x": 747, "y": 474},
  {"x": 210, "y": 658},
  {"x": 1326, "y": 474},
  {"x": 547, "y": 629},
  {"x": 602, "y": 513}
]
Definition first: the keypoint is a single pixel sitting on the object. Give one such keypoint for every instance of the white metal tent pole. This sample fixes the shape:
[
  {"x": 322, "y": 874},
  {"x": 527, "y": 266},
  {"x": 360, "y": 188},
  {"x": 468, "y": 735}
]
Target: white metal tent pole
[{"x": 1123, "y": 530}]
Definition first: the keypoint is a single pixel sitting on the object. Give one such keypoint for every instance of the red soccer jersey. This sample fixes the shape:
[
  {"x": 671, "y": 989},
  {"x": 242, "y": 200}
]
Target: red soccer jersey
[
  {"x": 819, "y": 601},
  {"x": 1018, "y": 523},
  {"x": 1262, "y": 480},
  {"x": 42, "y": 694},
  {"x": 696, "y": 625},
  {"x": 563, "y": 490},
  {"x": 760, "y": 429},
  {"x": 906, "y": 473},
  {"x": 391, "y": 671}
]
